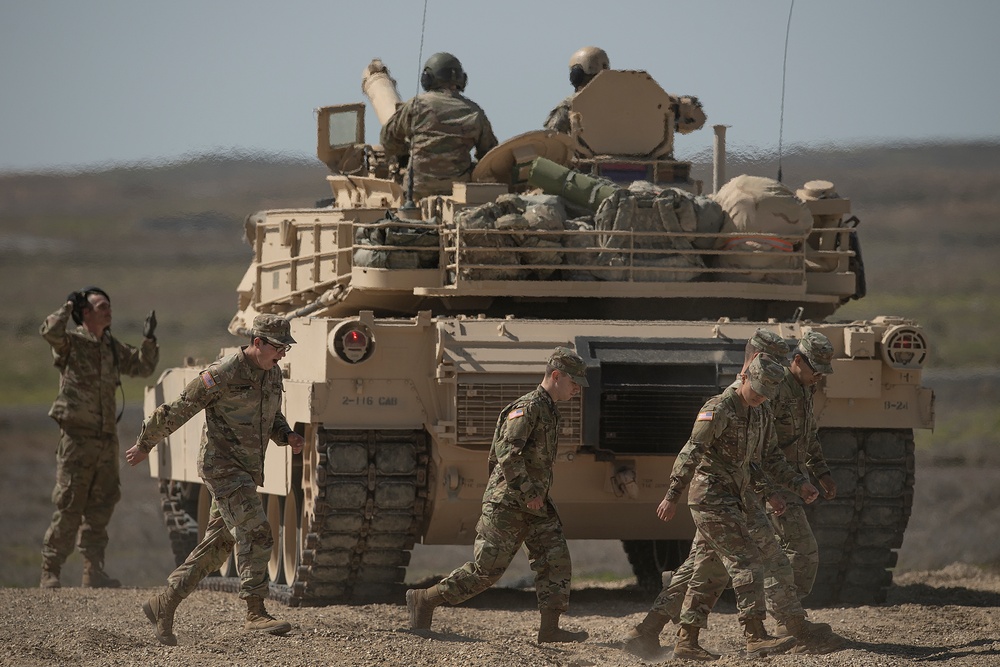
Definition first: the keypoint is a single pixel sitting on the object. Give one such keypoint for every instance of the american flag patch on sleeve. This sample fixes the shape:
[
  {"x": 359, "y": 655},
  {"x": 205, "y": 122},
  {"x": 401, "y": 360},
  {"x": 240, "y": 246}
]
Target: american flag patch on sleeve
[
  {"x": 207, "y": 379},
  {"x": 705, "y": 416},
  {"x": 514, "y": 414}
]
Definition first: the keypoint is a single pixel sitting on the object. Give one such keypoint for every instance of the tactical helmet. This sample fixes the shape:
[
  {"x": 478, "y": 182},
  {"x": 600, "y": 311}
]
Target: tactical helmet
[
  {"x": 585, "y": 64},
  {"x": 442, "y": 69}
]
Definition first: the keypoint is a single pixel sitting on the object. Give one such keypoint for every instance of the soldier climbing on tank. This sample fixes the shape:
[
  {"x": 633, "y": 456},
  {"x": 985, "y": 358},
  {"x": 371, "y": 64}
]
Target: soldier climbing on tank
[
  {"x": 436, "y": 130},
  {"x": 584, "y": 65},
  {"x": 517, "y": 508}
]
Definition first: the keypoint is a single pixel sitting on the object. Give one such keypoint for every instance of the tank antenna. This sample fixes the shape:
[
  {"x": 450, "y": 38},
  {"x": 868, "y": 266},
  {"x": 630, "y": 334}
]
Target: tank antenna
[
  {"x": 784, "y": 63},
  {"x": 420, "y": 53},
  {"x": 408, "y": 204}
]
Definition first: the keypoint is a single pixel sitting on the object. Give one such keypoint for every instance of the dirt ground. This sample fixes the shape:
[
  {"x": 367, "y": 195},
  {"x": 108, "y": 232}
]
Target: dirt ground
[{"x": 942, "y": 605}]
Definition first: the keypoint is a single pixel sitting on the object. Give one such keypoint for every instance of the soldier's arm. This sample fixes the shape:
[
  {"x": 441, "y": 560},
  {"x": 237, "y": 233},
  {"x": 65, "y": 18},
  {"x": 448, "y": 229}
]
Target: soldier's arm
[
  {"x": 516, "y": 432},
  {"x": 778, "y": 472},
  {"x": 139, "y": 361},
  {"x": 53, "y": 330},
  {"x": 280, "y": 429},
  {"x": 169, "y": 417},
  {"x": 487, "y": 140},
  {"x": 709, "y": 423},
  {"x": 815, "y": 461}
]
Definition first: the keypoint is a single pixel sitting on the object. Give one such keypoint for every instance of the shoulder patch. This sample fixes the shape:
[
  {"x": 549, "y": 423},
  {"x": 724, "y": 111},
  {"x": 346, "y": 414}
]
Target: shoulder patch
[
  {"x": 207, "y": 380},
  {"x": 514, "y": 414},
  {"x": 705, "y": 416}
]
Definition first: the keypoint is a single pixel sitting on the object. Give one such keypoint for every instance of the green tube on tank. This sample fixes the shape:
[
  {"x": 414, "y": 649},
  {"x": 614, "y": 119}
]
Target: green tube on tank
[{"x": 555, "y": 179}]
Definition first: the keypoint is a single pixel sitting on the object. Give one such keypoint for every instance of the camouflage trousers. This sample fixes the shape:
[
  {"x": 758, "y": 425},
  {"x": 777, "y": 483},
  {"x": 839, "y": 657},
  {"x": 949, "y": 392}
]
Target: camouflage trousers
[
  {"x": 798, "y": 542},
  {"x": 779, "y": 579},
  {"x": 86, "y": 492},
  {"x": 499, "y": 534},
  {"x": 732, "y": 544},
  {"x": 237, "y": 518}
]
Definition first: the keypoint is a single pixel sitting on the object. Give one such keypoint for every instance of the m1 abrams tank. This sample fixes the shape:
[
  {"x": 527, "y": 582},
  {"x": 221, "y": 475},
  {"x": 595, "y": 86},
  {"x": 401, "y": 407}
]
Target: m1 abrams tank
[{"x": 416, "y": 324}]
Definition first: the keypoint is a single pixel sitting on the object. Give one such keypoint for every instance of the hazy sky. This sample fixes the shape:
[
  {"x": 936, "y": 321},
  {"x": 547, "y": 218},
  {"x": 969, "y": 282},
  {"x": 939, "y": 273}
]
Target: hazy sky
[{"x": 97, "y": 82}]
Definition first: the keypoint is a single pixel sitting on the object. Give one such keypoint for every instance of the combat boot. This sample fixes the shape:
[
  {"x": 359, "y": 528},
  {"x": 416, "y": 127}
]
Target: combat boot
[
  {"x": 159, "y": 610},
  {"x": 687, "y": 646},
  {"x": 50, "y": 577},
  {"x": 813, "y": 638},
  {"x": 643, "y": 640},
  {"x": 94, "y": 576},
  {"x": 258, "y": 620},
  {"x": 549, "y": 630},
  {"x": 760, "y": 644},
  {"x": 420, "y": 603}
]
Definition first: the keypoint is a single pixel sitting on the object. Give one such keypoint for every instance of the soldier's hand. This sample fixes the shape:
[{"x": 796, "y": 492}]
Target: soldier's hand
[
  {"x": 777, "y": 504},
  {"x": 666, "y": 509},
  {"x": 536, "y": 503},
  {"x": 149, "y": 326},
  {"x": 808, "y": 492},
  {"x": 296, "y": 442},
  {"x": 829, "y": 486},
  {"x": 135, "y": 456}
]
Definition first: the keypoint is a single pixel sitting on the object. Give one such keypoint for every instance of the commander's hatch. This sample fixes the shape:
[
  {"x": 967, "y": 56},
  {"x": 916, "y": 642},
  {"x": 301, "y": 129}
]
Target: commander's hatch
[
  {"x": 340, "y": 137},
  {"x": 623, "y": 113}
]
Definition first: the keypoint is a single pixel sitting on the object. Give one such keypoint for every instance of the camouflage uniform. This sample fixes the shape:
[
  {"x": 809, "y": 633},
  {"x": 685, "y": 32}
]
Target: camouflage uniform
[
  {"x": 242, "y": 412},
  {"x": 521, "y": 458},
  {"x": 722, "y": 462},
  {"x": 795, "y": 424},
  {"x": 558, "y": 119},
  {"x": 441, "y": 126},
  {"x": 87, "y": 485}
]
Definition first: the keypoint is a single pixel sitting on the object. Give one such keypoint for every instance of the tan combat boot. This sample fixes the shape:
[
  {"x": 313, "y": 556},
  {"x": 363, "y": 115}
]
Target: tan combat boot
[
  {"x": 549, "y": 630},
  {"x": 159, "y": 610},
  {"x": 94, "y": 576},
  {"x": 420, "y": 603},
  {"x": 760, "y": 644},
  {"x": 50, "y": 577},
  {"x": 813, "y": 638},
  {"x": 258, "y": 620},
  {"x": 643, "y": 640},
  {"x": 687, "y": 646}
]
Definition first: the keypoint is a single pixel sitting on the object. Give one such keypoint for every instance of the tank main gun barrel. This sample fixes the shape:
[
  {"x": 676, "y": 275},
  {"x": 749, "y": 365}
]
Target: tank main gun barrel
[{"x": 380, "y": 89}]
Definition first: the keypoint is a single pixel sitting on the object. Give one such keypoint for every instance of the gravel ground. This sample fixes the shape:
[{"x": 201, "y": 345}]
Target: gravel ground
[{"x": 945, "y": 615}]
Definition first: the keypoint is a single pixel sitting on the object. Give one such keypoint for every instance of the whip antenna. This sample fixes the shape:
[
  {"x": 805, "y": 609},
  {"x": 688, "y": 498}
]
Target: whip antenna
[
  {"x": 420, "y": 55},
  {"x": 784, "y": 64}
]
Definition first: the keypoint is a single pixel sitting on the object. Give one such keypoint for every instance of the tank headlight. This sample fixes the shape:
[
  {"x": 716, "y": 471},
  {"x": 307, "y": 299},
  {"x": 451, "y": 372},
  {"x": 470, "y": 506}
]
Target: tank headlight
[
  {"x": 904, "y": 347},
  {"x": 351, "y": 342}
]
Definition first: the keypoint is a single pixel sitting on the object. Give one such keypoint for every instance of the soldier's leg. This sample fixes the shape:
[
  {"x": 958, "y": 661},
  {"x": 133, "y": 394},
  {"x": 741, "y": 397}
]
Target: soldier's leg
[
  {"x": 779, "y": 582},
  {"x": 712, "y": 577},
  {"x": 105, "y": 492},
  {"x": 499, "y": 534},
  {"x": 548, "y": 557},
  {"x": 799, "y": 544},
  {"x": 210, "y": 554},
  {"x": 243, "y": 512},
  {"x": 74, "y": 475}
]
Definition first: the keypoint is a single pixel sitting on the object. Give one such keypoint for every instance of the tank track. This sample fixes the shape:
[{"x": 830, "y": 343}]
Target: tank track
[
  {"x": 859, "y": 531},
  {"x": 365, "y": 518},
  {"x": 179, "y": 503}
]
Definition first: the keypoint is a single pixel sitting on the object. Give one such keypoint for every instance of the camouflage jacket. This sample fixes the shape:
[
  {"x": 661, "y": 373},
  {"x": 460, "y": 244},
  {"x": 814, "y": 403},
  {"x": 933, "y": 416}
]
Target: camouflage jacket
[
  {"x": 796, "y": 427},
  {"x": 89, "y": 372},
  {"x": 523, "y": 451},
  {"x": 443, "y": 127},
  {"x": 730, "y": 455},
  {"x": 558, "y": 119},
  {"x": 242, "y": 411}
]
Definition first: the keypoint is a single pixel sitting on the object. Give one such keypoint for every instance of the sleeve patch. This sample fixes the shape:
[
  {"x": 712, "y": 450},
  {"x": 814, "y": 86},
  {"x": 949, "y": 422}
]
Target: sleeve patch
[
  {"x": 207, "y": 379},
  {"x": 514, "y": 414},
  {"x": 705, "y": 416}
]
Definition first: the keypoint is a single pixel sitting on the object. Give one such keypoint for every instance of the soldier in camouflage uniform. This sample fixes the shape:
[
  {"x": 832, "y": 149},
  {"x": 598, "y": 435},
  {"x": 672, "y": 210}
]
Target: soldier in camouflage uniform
[
  {"x": 436, "y": 130},
  {"x": 584, "y": 65},
  {"x": 517, "y": 508},
  {"x": 796, "y": 428},
  {"x": 710, "y": 569},
  {"x": 241, "y": 397},
  {"x": 90, "y": 362}
]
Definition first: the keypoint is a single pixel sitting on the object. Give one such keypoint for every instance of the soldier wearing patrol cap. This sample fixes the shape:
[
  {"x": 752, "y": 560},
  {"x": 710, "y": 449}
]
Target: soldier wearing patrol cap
[
  {"x": 797, "y": 433},
  {"x": 241, "y": 397},
  {"x": 728, "y": 460},
  {"x": 517, "y": 508}
]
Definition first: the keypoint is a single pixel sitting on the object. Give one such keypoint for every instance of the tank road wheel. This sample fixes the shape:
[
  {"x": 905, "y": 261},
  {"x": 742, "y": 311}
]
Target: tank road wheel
[
  {"x": 859, "y": 531},
  {"x": 364, "y": 516},
  {"x": 272, "y": 507},
  {"x": 291, "y": 536},
  {"x": 179, "y": 502},
  {"x": 650, "y": 558}
]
